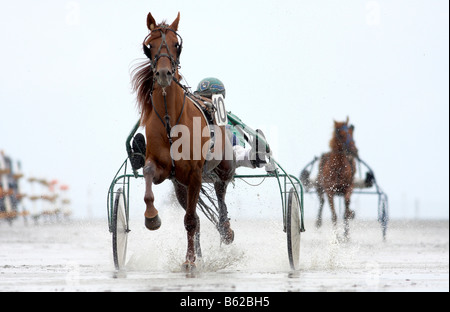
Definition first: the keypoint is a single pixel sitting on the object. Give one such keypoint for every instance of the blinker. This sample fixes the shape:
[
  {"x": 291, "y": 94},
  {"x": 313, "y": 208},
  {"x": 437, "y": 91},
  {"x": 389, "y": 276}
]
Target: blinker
[{"x": 147, "y": 51}]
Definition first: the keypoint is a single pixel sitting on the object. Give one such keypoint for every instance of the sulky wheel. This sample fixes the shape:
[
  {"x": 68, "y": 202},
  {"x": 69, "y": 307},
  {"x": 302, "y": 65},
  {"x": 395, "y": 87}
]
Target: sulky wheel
[
  {"x": 119, "y": 230},
  {"x": 293, "y": 229}
]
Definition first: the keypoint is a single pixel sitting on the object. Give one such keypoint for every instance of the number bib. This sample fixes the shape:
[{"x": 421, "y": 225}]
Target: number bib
[{"x": 220, "y": 113}]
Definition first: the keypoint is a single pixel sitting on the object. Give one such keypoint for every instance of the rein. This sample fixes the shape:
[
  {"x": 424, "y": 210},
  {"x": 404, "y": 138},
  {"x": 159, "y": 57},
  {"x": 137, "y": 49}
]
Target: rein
[
  {"x": 175, "y": 65},
  {"x": 167, "y": 125},
  {"x": 348, "y": 140}
]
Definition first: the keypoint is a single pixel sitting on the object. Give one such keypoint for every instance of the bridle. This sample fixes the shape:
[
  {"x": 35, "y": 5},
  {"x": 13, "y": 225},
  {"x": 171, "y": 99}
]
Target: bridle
[
  {"x": 175, "y": 65},
  {"x": 349, "y": 138},
  {"x": 154, "y": 59}
]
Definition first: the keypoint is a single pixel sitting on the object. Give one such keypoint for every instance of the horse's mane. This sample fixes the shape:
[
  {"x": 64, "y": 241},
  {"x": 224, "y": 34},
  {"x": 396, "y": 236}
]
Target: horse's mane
[
  {"x": 335, "y": 145},
  {"x": 142, "y": 83}
]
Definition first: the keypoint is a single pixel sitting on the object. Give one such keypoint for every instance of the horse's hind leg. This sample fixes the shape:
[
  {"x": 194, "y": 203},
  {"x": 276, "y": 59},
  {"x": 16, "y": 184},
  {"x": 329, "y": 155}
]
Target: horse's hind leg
[
  {"x": 349, "y": 214},
  {"x": 319, "y": 215},
  {"x": 191, "y": 220},
  {"x": 226, "y": 233},
  {"x": 181, "y": 193},
  {"x": 152, "y": 220}
]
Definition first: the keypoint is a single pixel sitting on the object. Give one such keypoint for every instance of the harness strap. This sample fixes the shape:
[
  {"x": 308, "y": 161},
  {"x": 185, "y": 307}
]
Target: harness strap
[{"x": 168, "y": 126}]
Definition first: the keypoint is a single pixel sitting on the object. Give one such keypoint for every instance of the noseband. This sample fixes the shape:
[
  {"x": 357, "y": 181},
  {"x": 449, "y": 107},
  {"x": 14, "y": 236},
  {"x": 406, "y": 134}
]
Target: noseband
[{"x": 153, "y": 60}]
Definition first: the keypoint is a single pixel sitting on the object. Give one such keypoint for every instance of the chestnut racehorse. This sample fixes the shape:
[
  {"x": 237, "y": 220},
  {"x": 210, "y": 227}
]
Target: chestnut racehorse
[
  {"x": 164, "y": 104},
  {"x": 336, "y": 172}
]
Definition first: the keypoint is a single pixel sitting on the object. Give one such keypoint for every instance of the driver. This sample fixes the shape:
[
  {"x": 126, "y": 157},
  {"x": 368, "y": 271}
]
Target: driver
[{"x": 246, "y": 155}]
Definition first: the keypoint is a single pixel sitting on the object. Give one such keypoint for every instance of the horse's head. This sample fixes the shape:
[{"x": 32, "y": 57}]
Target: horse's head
[
  {"x": 163, "y": 47},
  {"x": 343, "y": 137}
]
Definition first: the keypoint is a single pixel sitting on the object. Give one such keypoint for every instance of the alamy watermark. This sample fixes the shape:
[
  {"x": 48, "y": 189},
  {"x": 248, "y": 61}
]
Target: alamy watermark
[
  {"x": 187, "y": 143},
  {"x": 72, "y": 13},
  {"x": 373, "y": 13}
]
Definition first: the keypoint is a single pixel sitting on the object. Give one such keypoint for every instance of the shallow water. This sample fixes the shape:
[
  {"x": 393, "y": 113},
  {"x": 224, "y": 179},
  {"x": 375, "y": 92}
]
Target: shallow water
[{"x": 77, "y": 256}]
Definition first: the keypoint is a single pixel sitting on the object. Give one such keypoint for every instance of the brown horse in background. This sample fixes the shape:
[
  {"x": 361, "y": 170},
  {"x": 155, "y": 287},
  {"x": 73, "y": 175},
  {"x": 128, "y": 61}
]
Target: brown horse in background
[
  {"x": 336, "y": 172},
  {"x": 165, "y": 103}
]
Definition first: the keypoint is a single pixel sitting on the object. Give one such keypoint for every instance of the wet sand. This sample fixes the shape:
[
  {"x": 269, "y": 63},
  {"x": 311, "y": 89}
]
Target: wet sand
[{"x": 77, "y": 256}]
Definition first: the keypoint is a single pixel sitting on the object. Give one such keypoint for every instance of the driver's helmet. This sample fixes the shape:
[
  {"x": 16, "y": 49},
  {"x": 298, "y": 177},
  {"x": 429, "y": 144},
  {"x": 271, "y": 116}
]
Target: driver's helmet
[{"x": 209, "y": 86}]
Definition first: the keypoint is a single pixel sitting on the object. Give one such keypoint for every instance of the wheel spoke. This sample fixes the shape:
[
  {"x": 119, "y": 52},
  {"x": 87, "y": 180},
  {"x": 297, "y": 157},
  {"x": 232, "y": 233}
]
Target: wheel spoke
[{"x": 120, "y": 231}]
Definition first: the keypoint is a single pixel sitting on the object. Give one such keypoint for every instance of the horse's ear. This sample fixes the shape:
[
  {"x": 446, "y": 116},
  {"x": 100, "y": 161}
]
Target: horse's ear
[
  {"x": 174, "y": 25},
  {"x": 151, "y": 24}
]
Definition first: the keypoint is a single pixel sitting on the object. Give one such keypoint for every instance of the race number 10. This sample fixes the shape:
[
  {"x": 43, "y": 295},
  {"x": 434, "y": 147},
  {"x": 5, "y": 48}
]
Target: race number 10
[{"x": 221, "y": 112}]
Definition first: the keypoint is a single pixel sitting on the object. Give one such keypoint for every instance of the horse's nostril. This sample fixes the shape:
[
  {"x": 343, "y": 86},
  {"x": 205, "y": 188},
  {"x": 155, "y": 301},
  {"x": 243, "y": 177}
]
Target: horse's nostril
[
  {"x": 164, "y": 73},
  {"x": 164, "y": 77}
]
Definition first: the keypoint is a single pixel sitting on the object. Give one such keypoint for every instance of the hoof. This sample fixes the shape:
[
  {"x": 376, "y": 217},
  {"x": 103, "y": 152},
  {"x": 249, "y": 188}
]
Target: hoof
[
  {"x": 318, "y": 223},
  {"x": 345, "y": 238},
  {"x": 153, "y": 223},
  {"x": 188, "y": 266},
  {"x": 226, "y": 233},
  {"x": 228, "y": 237},
  {"x": 350, "y": 215}
]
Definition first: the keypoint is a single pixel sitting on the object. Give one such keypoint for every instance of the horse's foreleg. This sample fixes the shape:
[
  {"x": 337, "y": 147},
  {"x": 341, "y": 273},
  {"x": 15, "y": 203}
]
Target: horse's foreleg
[
  {"x": 191, "y": 220},
  {"x": 152, "y": 220},
  {"x": 333, "y": 212},
  {"x": 181, "y": 193}
]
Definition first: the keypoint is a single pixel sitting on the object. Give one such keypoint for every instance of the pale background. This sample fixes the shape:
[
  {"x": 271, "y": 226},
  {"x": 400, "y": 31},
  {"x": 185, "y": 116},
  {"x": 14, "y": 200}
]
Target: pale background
[{"x": 290, "y": 68}]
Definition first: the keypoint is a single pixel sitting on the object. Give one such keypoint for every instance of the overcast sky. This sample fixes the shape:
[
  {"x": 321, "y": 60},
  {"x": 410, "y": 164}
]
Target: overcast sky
[{"x": 289, "y": 67}]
